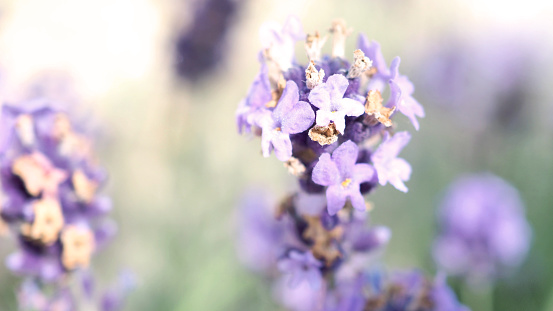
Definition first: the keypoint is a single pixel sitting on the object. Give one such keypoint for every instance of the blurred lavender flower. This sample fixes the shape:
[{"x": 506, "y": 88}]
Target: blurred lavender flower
[
  {"x": 483, "y": 229},
  {"x": 301, "y": 267},
  {"x": 200, "y": 47},
  {"x": 483, "y": 81},
  {"x": 50, "y": 182}
]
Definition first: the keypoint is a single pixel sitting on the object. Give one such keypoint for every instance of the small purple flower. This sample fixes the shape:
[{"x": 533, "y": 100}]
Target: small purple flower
[
  {"x": 372, "y": 51},
  {"x": 342, "y": 177},
  {"x": 329, "y": 98},
  {"x": 279, "y": 42},
  {"x": 389, "y": 168},
  {"x": 290, "y": 116},
  {"x": 483, "y": 228},
  {"x": 301, "y": 267},
  {"x": 401, "y": 91}
]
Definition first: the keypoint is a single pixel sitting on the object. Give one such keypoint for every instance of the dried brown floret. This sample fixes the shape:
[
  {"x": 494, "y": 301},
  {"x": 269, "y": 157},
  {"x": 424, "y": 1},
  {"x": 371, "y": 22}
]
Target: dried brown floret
[
  {"x": 277, "y": 92},
  {"x": 324, "y": 241},
  {"x": 340, "y": 32},
  {"x": 85, "y": 188},
  {"x": 78, "y": 245},
  {"x": 374, "y": 108},
  {"x": 313, "y": 45},
  {"x": 38, "y": 174},
  {"x": 361, "y": 63},
  {"x": 70, "y": 142},
  {"x": 47, "y": 223},
  {"x": 312, "y": 76},
  {"x": 324, "y": 135},
  {"x": 295, "y": 167},
  {"x": 371, "y": 72}
]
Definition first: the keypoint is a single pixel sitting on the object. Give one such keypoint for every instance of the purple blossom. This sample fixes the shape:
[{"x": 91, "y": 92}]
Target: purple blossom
[
  {"x": 400, "y": 97},
  {"x": 301, "y": 267},
  {"x": 483, "y": 228},
  {"x": 329, "y": 98},
  {"x": 389, "y": 168},
  {"x": 279, "y": 42},
  {"x": 373, "y": 52},
  {"x": 260, "y": 236},
  {"x": 290, "y": 116},
  {"x": 258, "y": 95},
  {"x": 342, "y": 177}
]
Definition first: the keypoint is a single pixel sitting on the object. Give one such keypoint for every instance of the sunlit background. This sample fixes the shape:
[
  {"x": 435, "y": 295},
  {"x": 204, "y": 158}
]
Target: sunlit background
[{"x": 178, "y": 167}]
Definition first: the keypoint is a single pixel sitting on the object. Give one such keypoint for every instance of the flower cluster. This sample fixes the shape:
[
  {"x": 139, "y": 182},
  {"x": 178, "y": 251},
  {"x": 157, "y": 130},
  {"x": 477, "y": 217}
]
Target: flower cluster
[
  {"x": 483, "y": 229},
  {"x": 50, "y": 183},
  {"x": 199, "y": 48},
  {"x": 327, "y": 123}
]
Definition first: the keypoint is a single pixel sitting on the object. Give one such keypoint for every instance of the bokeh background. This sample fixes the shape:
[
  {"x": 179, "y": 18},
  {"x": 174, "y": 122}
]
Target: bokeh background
[{"x": 483, "y": 70}]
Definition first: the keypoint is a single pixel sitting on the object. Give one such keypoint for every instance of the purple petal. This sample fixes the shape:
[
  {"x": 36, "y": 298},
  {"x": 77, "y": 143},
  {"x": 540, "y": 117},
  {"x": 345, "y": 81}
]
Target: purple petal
[
  {"x": 299, "y": 119},
  {"x": 335, "y": 198},
  {"x": 314, "y": 278},
  {"x": 288, "y": 99},
  {"x": 357, "y": 199},
  {"x": 325, "y": 172},
  {"x": 394, "y": 68},
  {"x": 336, "y": 86},
  {"x": 399, "y": 171},
  {"x": 351, "y": 107},
  {"x": 362, "y": 173},
  {"x": 323, "y": 117},
  {"x": 282, "y": 146},
  {"x": 345, "y": 157},
  {"x": 372, "y": 51},
  {"x": 320, "y": 97}
]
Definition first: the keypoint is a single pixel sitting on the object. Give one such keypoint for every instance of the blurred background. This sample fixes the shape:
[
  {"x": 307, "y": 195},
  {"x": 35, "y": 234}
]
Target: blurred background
[{"x": 167, "y": 135}]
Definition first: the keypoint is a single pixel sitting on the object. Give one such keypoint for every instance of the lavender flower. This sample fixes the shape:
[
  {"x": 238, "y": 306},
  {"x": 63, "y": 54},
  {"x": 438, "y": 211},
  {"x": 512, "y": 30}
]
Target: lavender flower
[
  {"x": 317, "y": 239},
  {"x": 290, "y": 116},
  {"x": 50, "y": 182},
  {"x": 301, "y": 267},
  {"x": 200, "y": 47},
  {"x": 486, "y": 80},
  {"x": 402, "y": 89},
  {"x": 342, "y": 177},
  {"x": 333, "y": 107},
  {"x": 483, "y": 229},
  {"x": 390, "y": 168}
]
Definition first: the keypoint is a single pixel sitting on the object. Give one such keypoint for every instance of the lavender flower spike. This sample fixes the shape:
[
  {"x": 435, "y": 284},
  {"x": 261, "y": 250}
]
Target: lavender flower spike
[
  {"x": 390, "y": 168},
  {"x": 484, "y": 231},
  {"x": 329, "y": 98},
  {"x": 401, "y": 90},
  {"x": 343, "y": 177},
  {"x": 302, "y": 267},
  {"x": 290, "y": 116}
]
